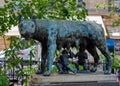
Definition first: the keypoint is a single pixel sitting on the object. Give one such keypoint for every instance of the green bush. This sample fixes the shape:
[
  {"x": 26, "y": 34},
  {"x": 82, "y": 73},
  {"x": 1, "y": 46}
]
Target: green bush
[
  {"x": 116, "y": 63},
  {"x": 4, "y": 81},
  {"x": 55, "y": 69}
]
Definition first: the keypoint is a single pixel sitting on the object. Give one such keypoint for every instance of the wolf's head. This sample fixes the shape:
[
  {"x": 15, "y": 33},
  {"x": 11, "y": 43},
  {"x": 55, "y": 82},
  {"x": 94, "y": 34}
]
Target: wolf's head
[{"x": 26, "y": 27}]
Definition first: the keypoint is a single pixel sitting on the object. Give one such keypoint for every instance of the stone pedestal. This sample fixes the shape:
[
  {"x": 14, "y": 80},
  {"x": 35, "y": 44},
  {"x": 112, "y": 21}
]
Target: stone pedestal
[{"x": 92, "y": 79}]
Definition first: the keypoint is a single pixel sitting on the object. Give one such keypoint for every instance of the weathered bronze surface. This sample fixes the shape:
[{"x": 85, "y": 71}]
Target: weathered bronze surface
[{"x": 55, "y": 34}]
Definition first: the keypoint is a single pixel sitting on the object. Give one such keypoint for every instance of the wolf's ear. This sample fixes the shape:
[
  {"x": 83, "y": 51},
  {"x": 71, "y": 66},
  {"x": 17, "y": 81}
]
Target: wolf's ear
[
  {"x": 34, "y": 17},
  {"x": 20, "y": 18}
]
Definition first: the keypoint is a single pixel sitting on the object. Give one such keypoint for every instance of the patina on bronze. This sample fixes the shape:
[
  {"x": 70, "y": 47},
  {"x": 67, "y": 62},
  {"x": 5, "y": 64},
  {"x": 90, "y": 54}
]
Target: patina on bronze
[{"x": 55, "y": 33}]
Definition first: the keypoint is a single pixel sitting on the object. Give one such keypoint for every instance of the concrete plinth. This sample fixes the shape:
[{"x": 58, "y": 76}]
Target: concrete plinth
[{"x": 92, "y": 79}]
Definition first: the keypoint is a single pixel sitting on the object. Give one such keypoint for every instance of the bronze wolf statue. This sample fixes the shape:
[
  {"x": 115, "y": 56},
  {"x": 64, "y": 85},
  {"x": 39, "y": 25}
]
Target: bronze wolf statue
[{"x": 53, "y": 33}]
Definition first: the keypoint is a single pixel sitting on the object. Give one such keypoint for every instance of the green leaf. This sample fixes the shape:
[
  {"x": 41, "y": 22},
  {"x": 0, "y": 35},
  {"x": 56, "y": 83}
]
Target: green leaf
[{"x": 44, "y": 9}]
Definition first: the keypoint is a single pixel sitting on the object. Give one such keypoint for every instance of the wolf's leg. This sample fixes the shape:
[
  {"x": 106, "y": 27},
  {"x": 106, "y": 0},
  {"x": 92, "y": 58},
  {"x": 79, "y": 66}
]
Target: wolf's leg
[
  {"x": 51, "y": 44},
  {"x": 92, "y": 50},
  {"x": 43, "y": 59},
  {"x": 109, "y": 61}
]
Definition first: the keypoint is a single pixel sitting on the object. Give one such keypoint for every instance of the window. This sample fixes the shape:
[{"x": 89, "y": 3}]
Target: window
[{"x": 114, "y": 5}]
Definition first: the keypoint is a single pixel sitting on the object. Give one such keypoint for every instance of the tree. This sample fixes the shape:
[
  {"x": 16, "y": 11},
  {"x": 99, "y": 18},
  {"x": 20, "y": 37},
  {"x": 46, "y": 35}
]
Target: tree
[
  {"x": 47, "y": 9},
  {"x": 113, "y": 8},
  {"x": 43, "y": 9}
]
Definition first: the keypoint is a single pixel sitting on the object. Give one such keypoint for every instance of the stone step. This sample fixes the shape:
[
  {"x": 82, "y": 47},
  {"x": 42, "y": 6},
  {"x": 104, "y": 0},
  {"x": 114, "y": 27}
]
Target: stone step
[
  {"x": 57, "y": 79},
  {"x": 81, "y": 84}
]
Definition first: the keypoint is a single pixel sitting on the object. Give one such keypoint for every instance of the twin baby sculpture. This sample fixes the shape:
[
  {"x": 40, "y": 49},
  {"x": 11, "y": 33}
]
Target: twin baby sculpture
[{"x": 54, "y": 34}]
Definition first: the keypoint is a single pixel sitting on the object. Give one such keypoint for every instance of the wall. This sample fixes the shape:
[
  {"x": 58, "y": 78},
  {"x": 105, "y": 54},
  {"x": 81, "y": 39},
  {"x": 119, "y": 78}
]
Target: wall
[
  {"x": 91, "y": 6},
  {"x": 1, "y": 3},
  {"x": 4, "y": 43}
]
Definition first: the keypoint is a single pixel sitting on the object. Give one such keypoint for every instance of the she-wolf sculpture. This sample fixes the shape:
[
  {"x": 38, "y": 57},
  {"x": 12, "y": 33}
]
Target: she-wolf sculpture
[{"x": 53, "y": 33}]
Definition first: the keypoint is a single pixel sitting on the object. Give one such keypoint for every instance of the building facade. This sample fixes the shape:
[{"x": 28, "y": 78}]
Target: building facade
[{"x": 113, "y": 32}]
